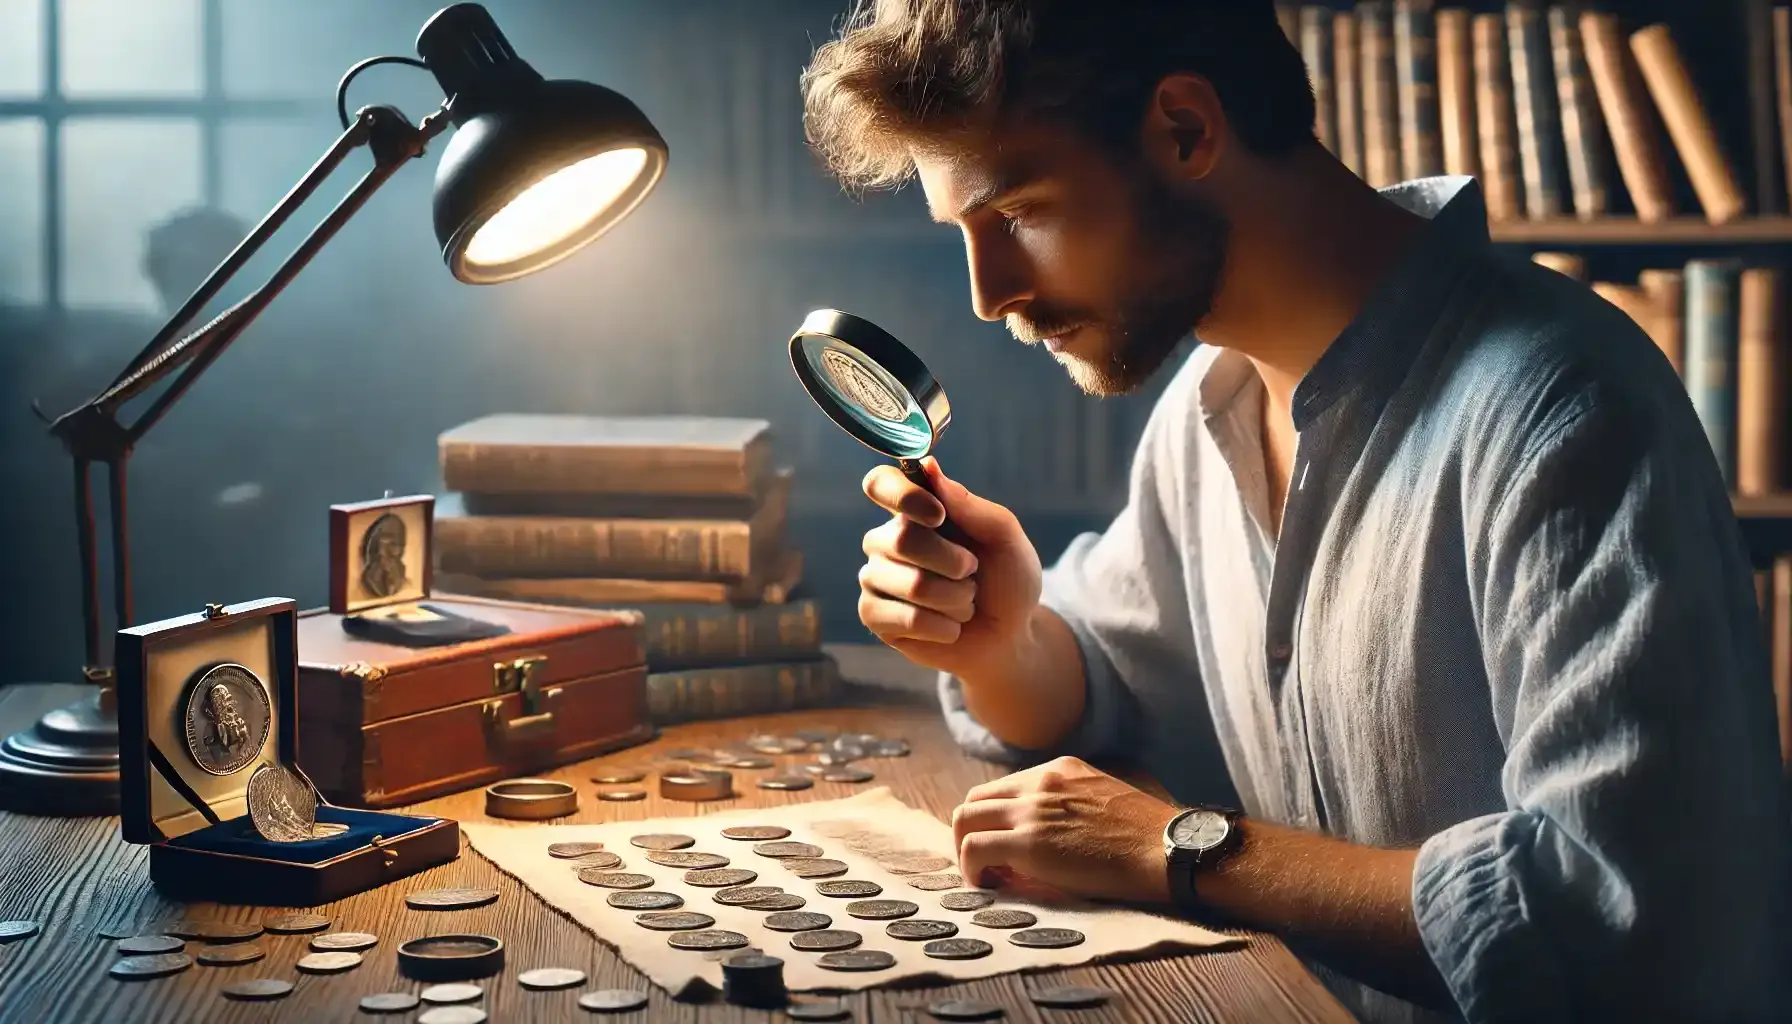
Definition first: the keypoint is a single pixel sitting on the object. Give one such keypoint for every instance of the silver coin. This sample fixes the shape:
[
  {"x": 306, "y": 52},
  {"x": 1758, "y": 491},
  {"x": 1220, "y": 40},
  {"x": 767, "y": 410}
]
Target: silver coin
[
  {"x": 231, "y": 955},
  {"x": 797, "y": 921},
  {"x": 688, "y": 859},
  {"x": 227, "y": 717},
  {"x": 638, "y": 900},
  {"x": 389, "y": 1002},
  {"x": 351, "y": 942},
  {"x": 782, "y": 901},
  {"x": 778, "y": 744},
  {"x": 453, "y": 1015},
  {"x": 749, "y": 763},
  {"x": 623, "y": 796},
  {"x": 849, "y": 888},
  {"x": 293, "y": 924},
  {"x": 881, "y": 910},
  {"x": 814, "y": 867},
  {"x": 662, "y": 841},
  {"x": 614, "y": 879},
  {"x": 675, "y": 921},
  {"x": 1003, "y": 918},
  {"x": 1070, "y": 997},
  {"x": 786, "y": 783},
  {"x": 257, "y": 989},
  {"x": 857, "y": 960},
  {"x": 328, "y": 963},
  {"x": 818, "y": 1011},
  {"x": 967, "y": 900},
  {"x": 613, "y": 1000},
  {"x": 620, "y": 777},
  {"x": 913, "y": 862},
  {"x": 957, "y": 949},
  {"x": 838, "y": 758},
  {"x": 154, "y": 966},
  {"x": 814, "y": 769},
  {"x": 706, "y": 939},
  {"x": 756, "y": 833},
  {"x": 934, "y": 883},
  {"x": 551, "y": 977},
  {"x": 569, "y": 851},
  {"x": 964, "y": 1009},
  {"x": 921, "y": 930},
  {"x": 888, "y": 748},
  {"x": 13, "y": 931},
  {"x": 850, "y": 776},
  {"x": 452, "y": 992},
  {"x": 718, "y": 878},
  {"x": 788, "y": 849},
  {"x": 825, "y": 940},
  {"x": 150, "y": 945},
  {"x": 603, "y": 860},
  {"x": 282, "y": 807},
  {"x": 1047, "y": 938},
  {"x": 744, "y": 894},
  {"x": 221, "y": 931},
  {"x": 450, "y": 899}
]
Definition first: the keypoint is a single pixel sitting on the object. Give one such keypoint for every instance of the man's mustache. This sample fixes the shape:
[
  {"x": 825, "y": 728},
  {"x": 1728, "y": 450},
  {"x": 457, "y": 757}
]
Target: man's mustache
[{"x": 1034, "y": 329}]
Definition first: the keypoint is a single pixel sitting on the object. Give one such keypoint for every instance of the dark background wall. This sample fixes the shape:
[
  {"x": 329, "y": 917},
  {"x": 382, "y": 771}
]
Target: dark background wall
[{"x": 115, "y": 114}]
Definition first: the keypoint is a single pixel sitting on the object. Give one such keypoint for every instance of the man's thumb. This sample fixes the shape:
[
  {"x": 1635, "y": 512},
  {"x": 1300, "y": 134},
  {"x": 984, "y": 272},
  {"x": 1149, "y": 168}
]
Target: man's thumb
[{"x": 982, "y": 519}]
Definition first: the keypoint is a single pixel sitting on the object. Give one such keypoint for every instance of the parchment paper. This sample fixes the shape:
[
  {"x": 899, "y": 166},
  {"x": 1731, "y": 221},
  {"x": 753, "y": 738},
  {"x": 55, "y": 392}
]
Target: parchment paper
[{"x": 522, "y": 851}]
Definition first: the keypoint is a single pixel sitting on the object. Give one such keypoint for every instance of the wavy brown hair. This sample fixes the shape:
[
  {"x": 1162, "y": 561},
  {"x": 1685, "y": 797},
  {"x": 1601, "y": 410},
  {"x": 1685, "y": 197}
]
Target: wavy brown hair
[{"x": 908, "y": 73}]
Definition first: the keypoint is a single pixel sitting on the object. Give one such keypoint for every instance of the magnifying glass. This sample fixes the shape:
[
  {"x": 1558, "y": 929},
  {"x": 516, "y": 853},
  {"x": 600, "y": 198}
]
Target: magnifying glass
[{"x": 876, "y": 390}]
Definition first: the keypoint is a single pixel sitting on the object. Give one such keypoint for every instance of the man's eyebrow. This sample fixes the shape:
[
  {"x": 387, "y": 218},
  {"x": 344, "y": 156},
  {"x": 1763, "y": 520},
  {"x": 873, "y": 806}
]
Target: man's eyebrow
[{"x": 995, "y": 189}]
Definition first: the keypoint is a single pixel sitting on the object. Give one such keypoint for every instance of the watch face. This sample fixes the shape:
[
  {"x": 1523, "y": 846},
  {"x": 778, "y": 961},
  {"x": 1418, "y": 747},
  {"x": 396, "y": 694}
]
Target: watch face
[{"x": 1200, "y": 830}]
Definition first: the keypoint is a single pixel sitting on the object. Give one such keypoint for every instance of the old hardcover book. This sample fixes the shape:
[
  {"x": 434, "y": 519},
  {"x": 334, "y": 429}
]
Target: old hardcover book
[
  {"x": 780, "y": 578},
  {"x": 559, "y": 546},
  {"x": 1688, "y": 124},
  {"x": 624, "y": 506},
  {"x": 1381, "y": 108},
  {"x": 1781, "y": 652},
  {"x": 738, "y": 690},
  {"x": 1495, "y": 123},
  {"x": 1667, "y": 293},
  {"x": 1763, "y": 114},
  {"x": 1583, "y": 130},
  {"x": 1629, "y": 116},
  {"x": 681, "y": 636},
  {"x": 1456, "y": 93},
  {"x": 1782, "y": 91},
  {"x": 551, "y": 454},
  {"x": 1347, "y": 86},
  {"x": 1760, "y": 383},
  {"x": 1539, "y": 118},
  {"x": 1415, "y": 84},
  {"x": 1712, "y": 288}
]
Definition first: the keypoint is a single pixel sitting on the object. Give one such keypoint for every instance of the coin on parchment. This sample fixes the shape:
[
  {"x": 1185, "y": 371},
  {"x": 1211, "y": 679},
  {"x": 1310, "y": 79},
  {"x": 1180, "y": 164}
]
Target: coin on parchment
[
  {"x": 744, "y": 894},
  {"x": 150, "y": 945},
  {"x": 252, "y": 990},
  {"x": 881, "y": 910},
  {"x": 719, "y": 877},
  {"x": 781, "y": 902},
  {"x": 645, "y": 900},
  {"x": 707, "y": 939},
  {"x": 452, "y": 992},
  {"x": 1047, "y": 938},
  {"x": 849, "y": 888},
  {"x": 1003, "y": 918},
  {"x": 689, "y": 859},
  {"x": 328, "y": 963},
  {"x": 614, "y": 1000},
  {"x": 567, "y": 851},
  {"x": 389, "y": 1002},
  {"x": 227, "y": 718},
  {"x": 153, "y": 966},
  {"x": 551, "y": 978},
  {"x": 788, "y": 849},
  {"x": 957, "y": 949},
  {"x": 814, "y": 867},
  {"x": 603, "y": 860},
  {"x": 1070, "y": 997},
  {"x": 797, "y": 921},
  {"x": 911, "y": 862},
  {"x": 231, "y": 955},
  {"x": 662, "y": 841},
  {"x": 293, "y": 924},
  {"x": 351, "y": 942},
  {"x": 967, "y": 900},
  {"x": 675, "y": 921},
  {"x": 825, "y": 940},
  {"x": 450, "y": 899},
  {"x": 614, "y": 879},
  {"x": 857, "y": 960},
  {"x": 964, "y": 1009},
  {"x": 756, "y": 833},
  {"x": 921, "y": 930},
  {"x": 934, "y": 883}
]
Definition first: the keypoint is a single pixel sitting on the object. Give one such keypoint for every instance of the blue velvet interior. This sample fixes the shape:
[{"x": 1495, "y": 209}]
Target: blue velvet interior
[{"x": 238, "y": 836}]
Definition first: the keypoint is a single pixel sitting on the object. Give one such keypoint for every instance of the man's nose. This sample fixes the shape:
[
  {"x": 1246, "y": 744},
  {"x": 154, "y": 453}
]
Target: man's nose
[{"x": 1001, "y": 279}]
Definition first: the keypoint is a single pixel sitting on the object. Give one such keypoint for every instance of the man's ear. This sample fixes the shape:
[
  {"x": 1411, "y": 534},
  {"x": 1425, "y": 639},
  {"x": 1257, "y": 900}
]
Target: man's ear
[{"x": 1185, "y": 127}]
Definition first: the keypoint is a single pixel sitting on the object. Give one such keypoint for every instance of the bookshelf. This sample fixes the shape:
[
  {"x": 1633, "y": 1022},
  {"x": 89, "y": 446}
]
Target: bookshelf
[{"x": 1678, "y": 231}]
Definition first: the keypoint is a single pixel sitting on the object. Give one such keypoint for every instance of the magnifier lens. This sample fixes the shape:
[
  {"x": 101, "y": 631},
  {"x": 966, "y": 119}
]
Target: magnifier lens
[{"x": 867, "y": 393}]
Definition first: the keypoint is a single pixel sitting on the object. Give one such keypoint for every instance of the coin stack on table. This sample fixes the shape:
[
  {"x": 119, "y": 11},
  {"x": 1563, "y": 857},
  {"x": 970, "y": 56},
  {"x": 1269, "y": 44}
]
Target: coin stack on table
[{"x": 789, "y": 763}]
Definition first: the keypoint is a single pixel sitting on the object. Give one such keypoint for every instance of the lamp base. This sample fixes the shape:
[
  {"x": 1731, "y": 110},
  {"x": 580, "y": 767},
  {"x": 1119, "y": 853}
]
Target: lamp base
[{"x": 66, "y": 765}]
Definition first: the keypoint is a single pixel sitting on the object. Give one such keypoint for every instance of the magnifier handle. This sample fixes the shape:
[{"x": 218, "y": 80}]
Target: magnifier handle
[{"x": 917, "y": 475}]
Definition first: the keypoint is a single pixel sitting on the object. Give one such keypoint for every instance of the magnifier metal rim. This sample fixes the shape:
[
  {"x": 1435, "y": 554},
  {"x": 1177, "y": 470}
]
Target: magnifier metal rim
[{"x": 895, "y": 359}]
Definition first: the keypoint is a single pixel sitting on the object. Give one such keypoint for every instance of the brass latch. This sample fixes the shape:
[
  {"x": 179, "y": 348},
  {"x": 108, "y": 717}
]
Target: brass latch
[
  {"x": 518, "y": 677},
  {"x": 535, "y": 719}
]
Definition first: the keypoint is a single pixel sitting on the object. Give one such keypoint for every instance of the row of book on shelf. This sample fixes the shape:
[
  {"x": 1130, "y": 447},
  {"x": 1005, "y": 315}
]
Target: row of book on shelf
[
  {"x": 1539, "y": 104},
  {"x": 683, "y": 518}
]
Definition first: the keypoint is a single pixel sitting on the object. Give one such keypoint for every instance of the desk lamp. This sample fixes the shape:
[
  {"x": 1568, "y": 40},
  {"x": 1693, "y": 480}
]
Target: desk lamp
[{"x": 535, "y": 170}]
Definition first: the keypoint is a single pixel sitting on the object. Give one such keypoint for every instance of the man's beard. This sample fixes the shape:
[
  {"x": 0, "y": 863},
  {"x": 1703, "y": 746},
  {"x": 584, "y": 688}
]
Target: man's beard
[{"x": 1182, "y": 248}]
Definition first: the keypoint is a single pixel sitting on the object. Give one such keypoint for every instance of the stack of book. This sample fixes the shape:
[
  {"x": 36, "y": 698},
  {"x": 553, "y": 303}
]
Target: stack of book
[
  {"x": 1539, "y": 102},
  {"x": 680, "y": 517}
]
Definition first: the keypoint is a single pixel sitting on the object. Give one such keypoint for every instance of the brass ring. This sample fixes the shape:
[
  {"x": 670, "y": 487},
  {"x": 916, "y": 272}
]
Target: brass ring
[{"x": 531, "y": 799}]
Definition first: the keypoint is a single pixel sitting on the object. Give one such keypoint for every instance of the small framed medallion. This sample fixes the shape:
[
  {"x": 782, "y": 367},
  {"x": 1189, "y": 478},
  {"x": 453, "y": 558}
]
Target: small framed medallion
[
  {"x": 380, "y": 553},
  {"x": 227, "y": 718}
]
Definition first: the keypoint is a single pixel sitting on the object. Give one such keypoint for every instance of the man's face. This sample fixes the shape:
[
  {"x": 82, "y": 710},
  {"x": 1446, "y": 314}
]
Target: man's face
[{"x": 1102, "y": 260}]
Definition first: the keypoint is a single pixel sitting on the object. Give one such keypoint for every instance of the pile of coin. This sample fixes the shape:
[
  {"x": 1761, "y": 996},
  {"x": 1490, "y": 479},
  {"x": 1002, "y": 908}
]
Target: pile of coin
[
  {"x": 754, "y": 979},
  {"x": 702, "y": 774}
]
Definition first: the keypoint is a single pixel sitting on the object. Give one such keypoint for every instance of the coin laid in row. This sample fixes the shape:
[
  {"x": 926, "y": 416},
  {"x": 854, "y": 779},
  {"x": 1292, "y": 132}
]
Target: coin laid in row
[
  {"x": 881, "y": 910},
  {"x": 212, "y": 931},
  {"x": 662, "y": 841},
  {"x": 964, "y": 1009},
  {"x": 640, "y": 900},
  {"x": 622, "y": 795},
  {"x": 814, "y": 867},
  {"x": 755, "y": 833},
  {"x": 154, "y": 965},
  {"x": 601, "y": 861},
  {"x": 742, "y": 895},
  {"x": 294, "y": 924},
  {"x": 451, "y": 992},
  {"x": 450, "y": 899},
  {"x": 349, "y": 942},
  {"x": 695, "y": 860},
  {"x": 849, "y": 888}
]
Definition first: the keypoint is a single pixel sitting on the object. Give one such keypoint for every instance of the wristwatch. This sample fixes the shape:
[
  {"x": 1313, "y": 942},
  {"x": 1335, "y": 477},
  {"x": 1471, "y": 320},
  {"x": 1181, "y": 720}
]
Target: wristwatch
[{"x": 1195, "y": 840}]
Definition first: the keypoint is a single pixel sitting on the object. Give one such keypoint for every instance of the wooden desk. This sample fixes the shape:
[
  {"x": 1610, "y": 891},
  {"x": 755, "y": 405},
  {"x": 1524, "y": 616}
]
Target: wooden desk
[{"x": 77, "y": 879}]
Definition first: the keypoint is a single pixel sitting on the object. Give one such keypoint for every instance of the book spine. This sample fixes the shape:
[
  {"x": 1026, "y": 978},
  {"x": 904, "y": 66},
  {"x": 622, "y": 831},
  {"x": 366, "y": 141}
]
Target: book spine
[
  {"x": 1760, "y": 383},
  {"x": 1711, "y": 336},
  {"x": 1539, "y": 121},
  {"x": 1456, "y": 93},
  {"x": 1782, "y": 81},
  {"x": 1494, "y": 120},
  {"x": 545, "y": 546},
  {"x": 1583, "y": 131},
  {"x": 1669, "y": 82},
  {"x": 733, "y": 691},
  {"x": 1667, "y": 294},
  {"x": 1381, "y": 112},
  {"x": 1780, "y": 651},
  {"x": 1770, "y": 197},
  {"x": 1622, "y": 99},
  {"x": 1347, "y": 85},
  {"x": 1415, "y": 80},
  {"x": 571, "y": 469},
  {"x": 1316, "y": 51},
  {"x": 685, "y": 636}
]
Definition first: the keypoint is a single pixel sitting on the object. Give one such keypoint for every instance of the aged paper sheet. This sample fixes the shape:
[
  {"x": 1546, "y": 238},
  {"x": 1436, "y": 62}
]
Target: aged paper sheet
[{"x": 522, "y": 851}]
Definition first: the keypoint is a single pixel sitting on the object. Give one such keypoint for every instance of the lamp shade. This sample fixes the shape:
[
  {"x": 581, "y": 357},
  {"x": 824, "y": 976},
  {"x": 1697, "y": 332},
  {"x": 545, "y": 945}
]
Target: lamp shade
[{"x": 535, "y": 169}]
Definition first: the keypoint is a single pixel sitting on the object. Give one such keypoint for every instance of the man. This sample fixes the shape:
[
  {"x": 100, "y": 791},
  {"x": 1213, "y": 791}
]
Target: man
[{"x": 1425, "y": 564}]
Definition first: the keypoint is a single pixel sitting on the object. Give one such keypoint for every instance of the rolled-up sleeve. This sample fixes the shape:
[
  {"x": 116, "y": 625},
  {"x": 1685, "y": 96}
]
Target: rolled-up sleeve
[
  {"x": 1641, "y": 869},
  {"x": 1121, "y": 593}
]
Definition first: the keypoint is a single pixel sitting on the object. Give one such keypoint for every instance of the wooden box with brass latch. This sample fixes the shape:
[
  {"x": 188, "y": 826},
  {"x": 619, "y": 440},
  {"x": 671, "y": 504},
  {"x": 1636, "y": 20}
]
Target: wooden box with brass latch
[{"x": 386, "y": 725}]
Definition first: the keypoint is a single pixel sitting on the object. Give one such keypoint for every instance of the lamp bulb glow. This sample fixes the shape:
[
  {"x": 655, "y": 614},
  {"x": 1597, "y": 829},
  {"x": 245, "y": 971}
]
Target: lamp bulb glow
[{"x": 555, "y": 208}]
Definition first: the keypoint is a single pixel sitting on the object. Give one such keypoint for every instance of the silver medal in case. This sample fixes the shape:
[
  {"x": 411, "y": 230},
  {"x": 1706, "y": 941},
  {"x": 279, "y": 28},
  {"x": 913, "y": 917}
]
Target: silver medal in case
[{"x": 227, "y": 718}]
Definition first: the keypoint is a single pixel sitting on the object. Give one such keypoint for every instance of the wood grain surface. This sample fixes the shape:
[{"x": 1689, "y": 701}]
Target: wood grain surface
[{"x": 86, "y": 887}]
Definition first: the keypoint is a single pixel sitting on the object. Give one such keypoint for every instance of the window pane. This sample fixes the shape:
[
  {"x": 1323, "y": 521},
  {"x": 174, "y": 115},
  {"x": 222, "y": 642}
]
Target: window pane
[
  {"x": 131, "y": 47},
  {"x": 288, "y": 48},
  {"x": 22, "y": 211},
  {"x": 120, "y": 178},
  {"x": 21, "y": 47}
]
